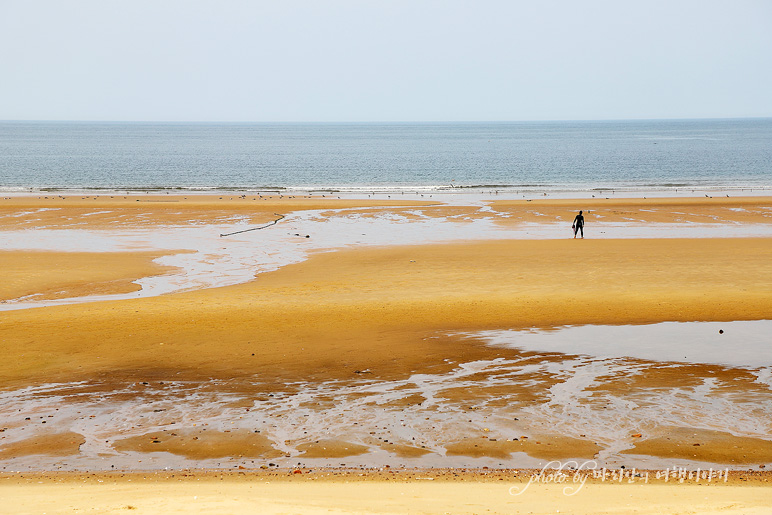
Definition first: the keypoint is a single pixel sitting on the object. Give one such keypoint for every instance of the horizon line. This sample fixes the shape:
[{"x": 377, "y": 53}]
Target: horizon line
[{"x": 341, "y": 122}]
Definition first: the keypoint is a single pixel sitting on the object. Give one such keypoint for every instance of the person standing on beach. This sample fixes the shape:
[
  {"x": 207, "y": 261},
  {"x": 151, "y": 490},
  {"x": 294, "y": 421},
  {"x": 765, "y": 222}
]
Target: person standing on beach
[{"x": 578, "y": 225}]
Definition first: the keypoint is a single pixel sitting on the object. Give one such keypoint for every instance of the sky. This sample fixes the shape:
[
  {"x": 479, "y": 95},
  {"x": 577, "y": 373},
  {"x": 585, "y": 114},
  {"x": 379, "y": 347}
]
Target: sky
[{"x": 386, "y": 60}]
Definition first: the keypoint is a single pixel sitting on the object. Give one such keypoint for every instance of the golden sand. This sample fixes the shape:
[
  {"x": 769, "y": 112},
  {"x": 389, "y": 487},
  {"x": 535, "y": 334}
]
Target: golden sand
[
  {"x": 701, "y": 210},
  {"x": 547, "y": 447},
  {"x": 201, "y": 444},
  {"x": 59, "y": 275},
  {"x": 112, "y": 212},
  {"x": 390, "y": 311},
  {"x": 64, "y": 443},
  {"x": 706, "y": 446},
  {"x": 331, "y": 449},
  {"x": 357, "y": 492},
  {"x": 116, "y": 212},
  {"x": 374, "y": 308}
]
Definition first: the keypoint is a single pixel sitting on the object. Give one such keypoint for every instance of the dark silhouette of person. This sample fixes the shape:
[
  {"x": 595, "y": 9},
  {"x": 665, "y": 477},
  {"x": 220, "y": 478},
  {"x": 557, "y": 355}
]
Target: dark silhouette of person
[{"x": 578, "y": 225}]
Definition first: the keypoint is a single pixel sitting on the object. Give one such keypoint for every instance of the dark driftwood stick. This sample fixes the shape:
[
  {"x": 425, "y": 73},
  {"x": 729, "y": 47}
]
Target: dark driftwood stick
[{"x": 255, "y": 228}]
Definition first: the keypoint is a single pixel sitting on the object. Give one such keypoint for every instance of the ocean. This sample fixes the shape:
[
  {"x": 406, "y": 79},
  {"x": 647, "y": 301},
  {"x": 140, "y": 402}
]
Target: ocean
[{"x": 659, "y": 155}]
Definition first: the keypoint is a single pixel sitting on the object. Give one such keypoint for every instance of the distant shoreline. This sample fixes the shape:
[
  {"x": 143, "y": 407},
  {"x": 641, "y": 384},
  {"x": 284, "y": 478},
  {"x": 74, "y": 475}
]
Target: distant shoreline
[
  {"x": 396, "y": 122},
  {"x": 504, "y": 191}
]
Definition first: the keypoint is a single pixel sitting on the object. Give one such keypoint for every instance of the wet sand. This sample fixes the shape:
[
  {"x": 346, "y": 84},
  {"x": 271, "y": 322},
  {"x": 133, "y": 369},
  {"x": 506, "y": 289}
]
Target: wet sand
[
  {"x": 116, "y": 211},
  {"x": 122, "y": 211},
  {"x": 382, "y": 309},
  {"x": 372, "y": 354},
  {"x": 59, "y": 275}
]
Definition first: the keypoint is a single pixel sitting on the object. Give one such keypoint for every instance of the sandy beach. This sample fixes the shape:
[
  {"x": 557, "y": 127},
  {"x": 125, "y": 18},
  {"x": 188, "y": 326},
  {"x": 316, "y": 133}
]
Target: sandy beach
[
  {"x": 373, "y": 491},
  {"x": 362, "y": 332}
]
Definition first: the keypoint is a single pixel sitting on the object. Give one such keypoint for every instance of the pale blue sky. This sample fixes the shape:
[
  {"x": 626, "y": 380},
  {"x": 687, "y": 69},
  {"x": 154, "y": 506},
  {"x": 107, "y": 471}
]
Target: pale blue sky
[{"x": 416, "y": 60}]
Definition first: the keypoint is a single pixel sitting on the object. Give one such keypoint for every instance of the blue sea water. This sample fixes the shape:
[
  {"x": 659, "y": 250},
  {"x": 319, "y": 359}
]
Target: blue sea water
[{"x": 570, "y": 156}]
